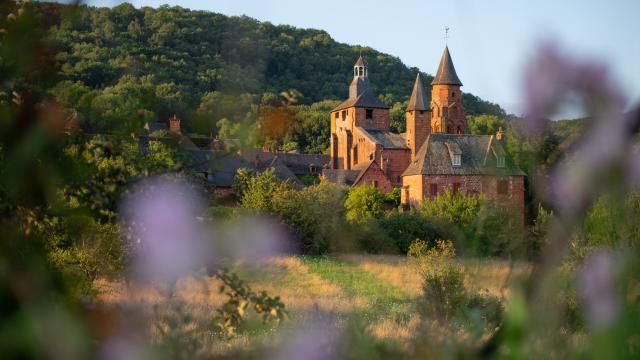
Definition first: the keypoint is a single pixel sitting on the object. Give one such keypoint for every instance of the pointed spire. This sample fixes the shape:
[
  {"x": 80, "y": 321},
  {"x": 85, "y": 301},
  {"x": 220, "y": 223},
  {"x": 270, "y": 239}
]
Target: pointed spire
[
  {"x": 360, "y": 62},
  {"x": 446, "y": 74},
  {"x": 417, "y": 101}
]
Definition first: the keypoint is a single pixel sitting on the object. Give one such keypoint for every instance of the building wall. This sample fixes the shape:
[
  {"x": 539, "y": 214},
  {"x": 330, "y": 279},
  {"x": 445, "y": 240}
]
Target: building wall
[
  {"x": 418, "y": 129},
  {"x": 447, "y": 111},
  {"x": 420, "y": 188},
  {"x": 412, "y": 187},
  {"x": 344, "y": 124},
  {"x": 395, "y": 162},
  {"x": 379, "y": 121},
  {"x": 375, "y": 176}
]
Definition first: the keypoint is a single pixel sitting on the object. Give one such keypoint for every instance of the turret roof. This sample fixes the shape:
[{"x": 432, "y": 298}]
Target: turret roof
[
  {"x": 446, "y": 74},
  {"x": 417, "y": 101}
]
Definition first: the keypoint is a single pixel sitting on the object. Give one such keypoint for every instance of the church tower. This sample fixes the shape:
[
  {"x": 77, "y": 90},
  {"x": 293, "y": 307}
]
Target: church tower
[
  {"x": 418, "y": 118},
  {"x": 361, "y": 110},
  {"x": 447, "y": 111}
]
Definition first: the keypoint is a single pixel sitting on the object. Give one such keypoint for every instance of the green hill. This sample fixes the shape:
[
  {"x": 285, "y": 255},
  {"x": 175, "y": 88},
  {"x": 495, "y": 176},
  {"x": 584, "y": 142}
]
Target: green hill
[{"x": 166, "y": 60}]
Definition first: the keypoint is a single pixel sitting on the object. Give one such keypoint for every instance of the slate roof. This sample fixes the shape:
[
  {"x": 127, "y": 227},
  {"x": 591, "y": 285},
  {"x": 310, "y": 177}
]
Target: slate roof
[
  {"x": 361, "y": 93},
  {"x": 478, "y": 154},
  {"x": 299, "y": 164},
  {"x": 221, "y": 166},
  {"x": 340, "y": 176},
  {"x": 364, "y": 100},
  {"x": 417, "y": 101},
  {"x": 347, "y": 177},
  {"x": 387, "y": 139},
  {"x": 446, "y": 74}
]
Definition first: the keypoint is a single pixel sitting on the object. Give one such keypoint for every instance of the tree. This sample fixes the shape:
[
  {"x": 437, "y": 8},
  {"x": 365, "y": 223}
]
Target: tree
[{"x": 364, "y": 203}]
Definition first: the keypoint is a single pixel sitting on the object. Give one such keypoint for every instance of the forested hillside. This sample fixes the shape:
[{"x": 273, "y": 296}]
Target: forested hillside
[{"x": 119, "y": 66}]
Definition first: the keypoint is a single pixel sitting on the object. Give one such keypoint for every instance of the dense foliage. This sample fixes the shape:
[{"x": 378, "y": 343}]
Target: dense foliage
[{"x": 120, "y": 67}]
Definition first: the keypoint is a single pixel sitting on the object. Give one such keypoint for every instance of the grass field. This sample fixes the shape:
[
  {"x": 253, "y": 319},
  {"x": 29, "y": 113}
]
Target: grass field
[{"x": 378, "y": 291}]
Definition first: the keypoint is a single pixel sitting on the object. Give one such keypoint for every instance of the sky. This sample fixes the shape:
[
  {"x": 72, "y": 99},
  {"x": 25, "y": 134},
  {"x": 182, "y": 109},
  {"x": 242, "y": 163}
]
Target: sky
[{"x": 490, "y": 41}]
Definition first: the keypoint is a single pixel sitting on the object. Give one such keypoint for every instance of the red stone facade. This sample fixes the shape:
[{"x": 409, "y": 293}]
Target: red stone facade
[
  {"x": 504, "y": 190},
  {"x": 447, "y": 112},
  {"x": 418, "y": 128}
]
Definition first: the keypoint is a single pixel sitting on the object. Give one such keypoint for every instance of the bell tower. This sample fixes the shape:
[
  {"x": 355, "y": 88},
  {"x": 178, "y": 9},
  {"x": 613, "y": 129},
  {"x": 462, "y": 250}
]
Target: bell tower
[{"x": 447, "y": 111}]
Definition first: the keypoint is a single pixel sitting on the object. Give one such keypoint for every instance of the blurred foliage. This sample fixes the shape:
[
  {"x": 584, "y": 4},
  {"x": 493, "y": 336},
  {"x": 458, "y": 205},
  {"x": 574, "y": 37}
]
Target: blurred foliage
[{"x": 241, "y": 298}]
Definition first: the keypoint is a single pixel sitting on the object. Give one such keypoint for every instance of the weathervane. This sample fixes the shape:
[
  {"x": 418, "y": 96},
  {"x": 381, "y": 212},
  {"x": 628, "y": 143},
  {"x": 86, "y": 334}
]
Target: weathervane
[{"x": 446, "y": 34}]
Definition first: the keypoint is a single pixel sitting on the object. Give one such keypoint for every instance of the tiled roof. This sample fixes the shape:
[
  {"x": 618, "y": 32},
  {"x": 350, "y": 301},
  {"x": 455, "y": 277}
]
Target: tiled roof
[
  {"x": 478, "y": 155},
  {"x": 387, "y": 139},
  {"x": 340, "y": 176},
  {"x": 221, "y": 166},
  {"x": 299, "y": 164},
  {"x": 418, "y": 100},
  {"x": 446, "y": 74},
  {"x": 366, "y": 99}
]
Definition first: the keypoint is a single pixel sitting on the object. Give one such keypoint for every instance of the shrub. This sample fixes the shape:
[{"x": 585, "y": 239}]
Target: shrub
[
  {"x": 314, "y": 213},
  {"x": 260, "y": 190},
  {"x": 443, "y": 293},
  {"x": 241, "y": 181},
  {"x": 363, "y": 204},
  {"x": 404, "y": 227},
  {"x": 479, "y": 226}
]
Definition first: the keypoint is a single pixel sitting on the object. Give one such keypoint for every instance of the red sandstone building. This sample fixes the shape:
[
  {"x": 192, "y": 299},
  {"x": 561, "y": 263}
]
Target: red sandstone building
[{"x": 435, "y": 153}]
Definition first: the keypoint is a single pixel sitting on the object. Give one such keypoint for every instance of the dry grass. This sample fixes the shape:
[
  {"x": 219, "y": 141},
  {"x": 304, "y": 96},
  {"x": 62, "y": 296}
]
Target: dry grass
[{"x": 379, "y": 288}]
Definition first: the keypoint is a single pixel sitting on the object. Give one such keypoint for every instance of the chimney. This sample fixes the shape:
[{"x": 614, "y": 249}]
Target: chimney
[
  {"x": 500, "y": 135},
  {"x": 174, "y": 125}
]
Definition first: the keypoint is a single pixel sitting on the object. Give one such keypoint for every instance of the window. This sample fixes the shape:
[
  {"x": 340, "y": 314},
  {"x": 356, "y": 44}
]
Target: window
[
  {"x": 500, "y": 161},
  {"x": 337, "y": 115},
  {"x": 433, "y": 190},
  {"x": 453, "y": 94},
  {"x": 355, "y": 155},
  {"x": 503, "y": 187},
  {"x": 369, "y": 114},
  {"x": 456, "y": 187},
  {"x": 457, "y": 160},
  {"x": 312, "y": 168},
  {"x": 375, "y": 183},
  {"x": 344, "y": 114}
]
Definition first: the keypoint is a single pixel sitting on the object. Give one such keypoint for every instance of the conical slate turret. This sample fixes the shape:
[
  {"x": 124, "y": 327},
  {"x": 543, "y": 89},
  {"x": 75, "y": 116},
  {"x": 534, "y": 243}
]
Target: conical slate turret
[
  {"x": 417, "y": 101},
  {"x": 446, "y": 74}
]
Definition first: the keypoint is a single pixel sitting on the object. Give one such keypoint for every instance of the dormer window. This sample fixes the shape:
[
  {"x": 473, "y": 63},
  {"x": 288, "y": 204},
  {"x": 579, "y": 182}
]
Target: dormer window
[
  {"x": 457, "y": 160},
  {"x": 500, "y": 161}
]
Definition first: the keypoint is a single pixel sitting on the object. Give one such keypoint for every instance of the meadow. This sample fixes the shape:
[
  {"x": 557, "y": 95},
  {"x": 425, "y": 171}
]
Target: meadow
[{"x": 376, "y": 292}]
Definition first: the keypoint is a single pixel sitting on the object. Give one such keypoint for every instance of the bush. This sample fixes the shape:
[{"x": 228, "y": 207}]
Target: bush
[
  {"x": 479, "y": 226},
  {"x": 364, "y": 203},
  {"x": 405, "y": 227},
  {"x": 314, "y": 213},
  {"x": 260, "y": 190},
  {"x": 443, "y": 293}
]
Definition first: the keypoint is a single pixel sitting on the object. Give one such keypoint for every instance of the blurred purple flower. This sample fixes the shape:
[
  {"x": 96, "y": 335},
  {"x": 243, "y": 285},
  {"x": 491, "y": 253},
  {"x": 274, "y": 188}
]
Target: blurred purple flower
[
  {"x": 255, "y": 238},
  {"x": 550, "y": 80},
  {"x": 122, "y": 347},
  {"x": 596, "y": 289},
  {"x": 320, "y": 341},
  {"x": 163, "y": 217}
]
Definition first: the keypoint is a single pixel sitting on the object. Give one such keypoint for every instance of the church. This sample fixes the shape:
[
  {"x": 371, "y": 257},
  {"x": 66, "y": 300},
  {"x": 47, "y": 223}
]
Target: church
[{"x": 435, "y": 153}]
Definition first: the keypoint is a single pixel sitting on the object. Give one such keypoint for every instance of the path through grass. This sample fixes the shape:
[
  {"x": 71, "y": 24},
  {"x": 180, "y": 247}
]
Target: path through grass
[{"x": 384, "y": 299}]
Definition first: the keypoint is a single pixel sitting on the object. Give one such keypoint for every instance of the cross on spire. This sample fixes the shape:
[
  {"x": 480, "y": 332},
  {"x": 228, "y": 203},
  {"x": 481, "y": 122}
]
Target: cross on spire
[{"x": 446, "y": 34}]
